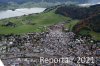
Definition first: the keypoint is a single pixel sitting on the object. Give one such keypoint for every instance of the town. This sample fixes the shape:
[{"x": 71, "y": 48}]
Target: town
[{"x": 57, "y": 42}]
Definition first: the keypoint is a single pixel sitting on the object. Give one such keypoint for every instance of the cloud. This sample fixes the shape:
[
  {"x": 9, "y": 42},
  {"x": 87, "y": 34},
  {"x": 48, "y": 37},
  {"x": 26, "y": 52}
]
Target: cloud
[
  {"x": 90, "y": 2},
  {"x": 94, "y": 1}
]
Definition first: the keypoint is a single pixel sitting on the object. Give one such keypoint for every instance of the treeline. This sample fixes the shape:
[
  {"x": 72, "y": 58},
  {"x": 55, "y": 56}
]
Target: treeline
[
  {"x": 91, "y": 23},
  {"x": 77, "y": 12},
  {"x": 94, "y": 22}
]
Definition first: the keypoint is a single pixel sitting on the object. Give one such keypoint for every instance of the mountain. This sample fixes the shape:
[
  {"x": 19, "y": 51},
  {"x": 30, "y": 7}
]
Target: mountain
[
  {"x": 15, "y": 4},
  {"x": 77, "y": 12},
  {"x": 91, "y": 23},
  {"x": 89, "y": 19},
  {"x": 52, "y": 1}
]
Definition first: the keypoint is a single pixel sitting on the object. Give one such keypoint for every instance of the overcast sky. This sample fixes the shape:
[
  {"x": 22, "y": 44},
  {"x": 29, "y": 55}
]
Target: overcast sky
[{"x": 94, "y": 1}]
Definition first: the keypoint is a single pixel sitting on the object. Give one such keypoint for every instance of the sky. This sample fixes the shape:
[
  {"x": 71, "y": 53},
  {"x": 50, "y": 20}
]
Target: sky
[
  {"x": 94, "y": 1},
  {"x": 89, "y": 1}
]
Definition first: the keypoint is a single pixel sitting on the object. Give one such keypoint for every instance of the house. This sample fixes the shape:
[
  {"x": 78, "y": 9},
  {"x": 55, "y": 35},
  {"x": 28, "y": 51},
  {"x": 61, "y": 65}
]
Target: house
[{"x": 98, "y": 52}]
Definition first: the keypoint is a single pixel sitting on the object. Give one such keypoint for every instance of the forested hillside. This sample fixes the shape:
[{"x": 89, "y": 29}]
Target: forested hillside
[
  {"x": 89, "y": 18},
  {"x": 77, "y": 12}
]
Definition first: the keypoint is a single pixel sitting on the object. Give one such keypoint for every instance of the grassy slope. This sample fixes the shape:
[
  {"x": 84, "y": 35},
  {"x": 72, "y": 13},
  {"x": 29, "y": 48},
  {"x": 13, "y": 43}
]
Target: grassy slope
[
  {"x": 95, "y": 35},
  {"x": 71, "y": 24},
  {"x": 39, "y": 21}
]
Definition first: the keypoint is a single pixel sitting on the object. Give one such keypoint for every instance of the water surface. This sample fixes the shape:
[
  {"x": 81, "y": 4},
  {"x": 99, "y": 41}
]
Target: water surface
[{"x": 20, "y": 12}]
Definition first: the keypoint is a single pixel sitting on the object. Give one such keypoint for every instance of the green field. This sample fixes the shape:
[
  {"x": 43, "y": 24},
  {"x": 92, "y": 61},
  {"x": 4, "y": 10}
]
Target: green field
[
  {"x": 71, "y": 24},
  {"x": 95, "y": 35},
  {"x": 39, "y": 23},
  {"x": 31, "y": 23}
]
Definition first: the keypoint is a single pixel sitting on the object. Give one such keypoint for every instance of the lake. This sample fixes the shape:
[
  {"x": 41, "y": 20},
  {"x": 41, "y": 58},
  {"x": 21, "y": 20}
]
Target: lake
[{"x": 20, "y": 12}]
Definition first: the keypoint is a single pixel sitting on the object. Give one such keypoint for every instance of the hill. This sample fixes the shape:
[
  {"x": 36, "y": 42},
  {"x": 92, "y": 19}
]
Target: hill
[
  {"x": 81, "y": 20},
  {"x": 30, "y": 23},
  {"x": 89, "y": 19},
  {"x": 89, "y": 26},
  {"x": 77, "y": 12},
  {"x": 92, "y": 23}
]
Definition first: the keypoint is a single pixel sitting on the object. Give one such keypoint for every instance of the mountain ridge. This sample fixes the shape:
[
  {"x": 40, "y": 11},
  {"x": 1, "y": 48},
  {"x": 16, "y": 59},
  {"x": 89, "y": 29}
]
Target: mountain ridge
[{"x": 53, "y": 1}]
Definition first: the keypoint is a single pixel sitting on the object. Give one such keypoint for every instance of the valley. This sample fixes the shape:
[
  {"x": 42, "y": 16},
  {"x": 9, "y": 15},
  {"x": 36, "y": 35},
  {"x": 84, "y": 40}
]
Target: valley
[{"x": 56, "y": 31}]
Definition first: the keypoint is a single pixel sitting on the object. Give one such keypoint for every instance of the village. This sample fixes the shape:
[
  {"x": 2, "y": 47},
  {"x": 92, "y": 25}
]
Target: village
[{"x": 26, "y": 50}]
